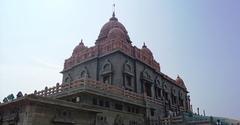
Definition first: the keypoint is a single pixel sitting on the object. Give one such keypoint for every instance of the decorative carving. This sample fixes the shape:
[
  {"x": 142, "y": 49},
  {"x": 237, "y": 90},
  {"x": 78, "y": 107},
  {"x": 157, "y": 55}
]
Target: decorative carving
[
  {"x": 181, "y": 95},
  {"x": 106, "y": 68},
  {"x": 84, "y": 73},
  {"x": 174, "y": 91},
  {"x": 146, "y": 76},
  {"x": 68, "y": 78},
  {"x": 158, "y": 82},
  {"x": 127, "y": 68},
  {"x": 19, "y": 94}
]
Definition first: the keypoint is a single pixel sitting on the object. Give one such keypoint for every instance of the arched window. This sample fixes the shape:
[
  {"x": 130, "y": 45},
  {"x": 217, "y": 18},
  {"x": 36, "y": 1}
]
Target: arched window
[
  {"x": 181, "y": 99},
  {"x": 158, "y": 88},
  {"x": 128, "y": 68},
  {"x": 106, "y": 72},
  {"x": 107, "y": 79},
  {"x": 106, "y": 67},
  {"x": 67, "y": 78},
  {"x": 174, "y": 96},
  {"x": 84, "y": 73},
  {"x": 128, "y": 76},
  {"x": 165, "y": 92},
  {"x": 147, "y": 82}
]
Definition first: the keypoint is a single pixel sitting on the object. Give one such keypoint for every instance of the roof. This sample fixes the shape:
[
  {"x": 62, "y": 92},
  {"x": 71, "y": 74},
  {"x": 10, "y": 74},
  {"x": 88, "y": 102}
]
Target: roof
[
  {"x": 112, "y": 23},
  {"x": 46, "y": 100}
]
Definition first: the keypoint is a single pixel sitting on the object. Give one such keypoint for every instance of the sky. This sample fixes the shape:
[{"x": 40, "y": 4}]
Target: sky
[{"x": 197, "y": 40}]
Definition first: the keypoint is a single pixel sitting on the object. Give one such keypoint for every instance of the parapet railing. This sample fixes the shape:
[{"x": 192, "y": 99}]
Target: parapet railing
[
  {"x": 181, "y": 120},
  {"x": 172, "y": 120},
  {"x": 109, "y": 47},
  {"x": 97, "y": 85}
]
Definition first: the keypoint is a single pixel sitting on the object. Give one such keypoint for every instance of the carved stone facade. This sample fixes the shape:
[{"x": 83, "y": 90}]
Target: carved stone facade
[{"x": 113, "y": 83}]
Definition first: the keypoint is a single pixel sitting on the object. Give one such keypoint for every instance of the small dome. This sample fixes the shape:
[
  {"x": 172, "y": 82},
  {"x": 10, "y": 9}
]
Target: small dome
[
  {"x": 79, "y": 47},
  {"x": 116, "y": 33},
  {"x": 145, "y": 49},
  {"x": 180, "y": 82},
  {"x": 112, "y": 23}
]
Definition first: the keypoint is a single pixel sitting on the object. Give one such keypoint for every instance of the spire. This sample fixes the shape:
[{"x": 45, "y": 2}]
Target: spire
[
  {"x": 113, "y": 15},
  {"x": 144, "y": 45},
  {"x": 81, "y": 43},
  {"x": 81, "y": 40}
]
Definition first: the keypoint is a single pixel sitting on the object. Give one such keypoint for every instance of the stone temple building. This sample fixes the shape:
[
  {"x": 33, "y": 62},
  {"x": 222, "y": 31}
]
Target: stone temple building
[{"x": 110, "y": 83}]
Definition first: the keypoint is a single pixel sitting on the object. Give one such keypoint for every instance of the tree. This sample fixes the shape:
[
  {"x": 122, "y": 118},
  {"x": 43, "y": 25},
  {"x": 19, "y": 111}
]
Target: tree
[
  {"x": 10, "y": 97},
  {"x": 5, "y": 100}
]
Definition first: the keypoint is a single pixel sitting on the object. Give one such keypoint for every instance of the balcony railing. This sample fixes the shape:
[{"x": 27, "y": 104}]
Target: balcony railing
[{"x": 85, "y": 84}]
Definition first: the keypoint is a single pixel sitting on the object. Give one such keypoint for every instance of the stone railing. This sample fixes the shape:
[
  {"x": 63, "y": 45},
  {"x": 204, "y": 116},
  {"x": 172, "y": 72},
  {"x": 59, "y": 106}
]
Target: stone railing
[
  {"x": 183, "y": 120},
  {"x": 49, "y": 91},
  {"x": 172, "y": 120},
  {"x": 154, "y": 100},
  {"x": 95, "y": 85}
]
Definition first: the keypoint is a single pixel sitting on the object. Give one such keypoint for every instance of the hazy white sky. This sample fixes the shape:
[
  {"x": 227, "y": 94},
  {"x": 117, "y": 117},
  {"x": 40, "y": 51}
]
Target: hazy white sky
[{"x": 199, "y": 40}]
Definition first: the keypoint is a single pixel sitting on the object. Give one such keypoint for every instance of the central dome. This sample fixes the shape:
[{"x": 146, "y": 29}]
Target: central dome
[{"x": 111, "y": 24}]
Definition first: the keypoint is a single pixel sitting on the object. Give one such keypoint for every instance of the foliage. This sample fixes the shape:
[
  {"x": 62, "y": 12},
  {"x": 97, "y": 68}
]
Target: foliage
[{"x": 10, "y": 97}]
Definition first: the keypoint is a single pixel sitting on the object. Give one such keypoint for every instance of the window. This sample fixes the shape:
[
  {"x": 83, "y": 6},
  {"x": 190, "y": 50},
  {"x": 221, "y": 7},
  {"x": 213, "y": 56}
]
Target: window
[
  {"x": 181, "y": 102},
  {"x": 129, "y": 109},
  {"x": 152, "y": 112},
  {"x": 165, "y": 94},
  {"x": 148, "y": 90},
  {"x": 174, "y": 100},
  {"x": 94, "y": 101},
  {"x": 106, "y": 72},
  {"x": 133, "y": 109},
  {"x": 100, "y": 102},
  {"x": 64, "y": 113},
  {"x": 106, "y": 67},
  {"x": 83, "y": 74},
  {"x": 128, "y": 68},
  {"x": 106, "y": 79},
  {"x": 118, "y": 106},
  {"x": 128, "y": 80},
  {"x": 74, "y": 99},
  {"x": 137, "y": 110},
  {"x": 67, "y": 80},
  {"x": 158, "y": 92},
  {"x": 107, "y": 104}
]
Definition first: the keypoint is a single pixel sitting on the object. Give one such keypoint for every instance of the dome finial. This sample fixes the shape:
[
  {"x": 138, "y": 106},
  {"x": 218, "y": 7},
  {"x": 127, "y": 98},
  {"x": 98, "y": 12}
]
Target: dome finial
[
  {"x": 144, "y": 45},
  {"x": 113, "y": 15},
  {"x": 113, "y": 18},
  {"x": 81, "y": 43}
]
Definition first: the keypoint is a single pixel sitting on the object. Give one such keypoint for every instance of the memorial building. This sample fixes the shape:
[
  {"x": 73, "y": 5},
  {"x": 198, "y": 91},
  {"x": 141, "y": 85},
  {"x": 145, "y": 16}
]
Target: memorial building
[{"x": 110, "y": 83}]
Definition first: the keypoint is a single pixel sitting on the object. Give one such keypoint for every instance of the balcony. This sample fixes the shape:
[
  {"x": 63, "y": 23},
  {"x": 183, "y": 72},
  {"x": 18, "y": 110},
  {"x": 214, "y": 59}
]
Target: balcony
[{"x": 97, "y": 88}]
